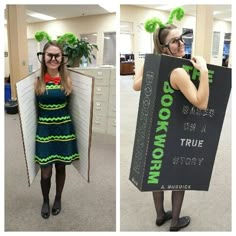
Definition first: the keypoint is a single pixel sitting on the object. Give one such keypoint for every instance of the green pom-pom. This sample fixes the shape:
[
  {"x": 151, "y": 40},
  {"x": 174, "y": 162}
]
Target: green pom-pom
[
  {"x": 69, "y": 38},
  {"x": 41, "y": 35},
  {"x": 178, "y": 13},
  {"x": 151, "y": 24}
]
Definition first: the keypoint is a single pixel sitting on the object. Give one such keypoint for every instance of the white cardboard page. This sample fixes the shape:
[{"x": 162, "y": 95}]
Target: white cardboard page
[
  {"x": 81, "y": 106},
  {"x": 28, "y": 119}
]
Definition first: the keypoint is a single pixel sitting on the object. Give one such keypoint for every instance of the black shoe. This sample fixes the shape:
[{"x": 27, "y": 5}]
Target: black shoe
[
  {"x": 45, "y": 211},
  {"x": 56, "y": 209},
  {"x": 167, "y": 216},
  {"x": 182, "y": 222}
]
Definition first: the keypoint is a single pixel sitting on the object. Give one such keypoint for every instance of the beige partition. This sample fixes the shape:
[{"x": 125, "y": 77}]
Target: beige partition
[
  {"x": 17, "y": 44},
  {"x": 204, "y": 26}
]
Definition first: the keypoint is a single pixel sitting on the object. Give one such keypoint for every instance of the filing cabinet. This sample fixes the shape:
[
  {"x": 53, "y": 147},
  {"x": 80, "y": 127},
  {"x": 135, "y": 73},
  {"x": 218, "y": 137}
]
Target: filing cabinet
[{"x": 104, "y": 106}]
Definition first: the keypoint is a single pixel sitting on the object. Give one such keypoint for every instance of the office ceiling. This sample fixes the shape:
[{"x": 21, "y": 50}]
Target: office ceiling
[
  {"x": 63, "y": 11},
  {"x": 222, "y": 12}
]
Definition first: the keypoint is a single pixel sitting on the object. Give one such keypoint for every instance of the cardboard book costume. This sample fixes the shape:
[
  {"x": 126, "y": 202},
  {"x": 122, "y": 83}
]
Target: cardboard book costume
[
  {"x": 81, "y": 109},
  {"x": 175, "y": 143}
]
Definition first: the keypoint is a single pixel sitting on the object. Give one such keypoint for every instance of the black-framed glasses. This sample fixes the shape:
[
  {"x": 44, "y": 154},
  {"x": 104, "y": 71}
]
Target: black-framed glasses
[
  {"x": 59, "y": 58},
  {"x": 177, "y": 40}
]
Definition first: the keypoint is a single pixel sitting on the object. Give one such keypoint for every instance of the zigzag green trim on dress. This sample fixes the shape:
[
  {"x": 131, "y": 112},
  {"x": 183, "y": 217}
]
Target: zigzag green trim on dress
[
  {"x": 54, "y": 123},
  {"x": 62, "y": 138},
  {"x": 54, "y": 118},
  {"x": 52, "y": 106},
  {"x": 53, "y": 158},
  {"x": 53, "y": 86},
  {"x": 50, "y": 121}
]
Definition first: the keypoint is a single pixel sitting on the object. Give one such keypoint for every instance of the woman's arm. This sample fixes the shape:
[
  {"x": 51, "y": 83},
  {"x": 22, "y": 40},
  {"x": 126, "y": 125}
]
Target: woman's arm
[
  {"x": 36, "y": 85},
  {"x": 69, "y": 83},
  {"x": 138, "y": 79},
  {"x": 180, "y": 80},
  {"x": 36, "y": 81}
]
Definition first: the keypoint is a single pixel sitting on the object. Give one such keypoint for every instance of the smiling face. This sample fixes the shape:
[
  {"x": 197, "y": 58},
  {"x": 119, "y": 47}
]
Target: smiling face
[
  {"x": 52, "y": 57},
  {"x": 174, "y": 44}
]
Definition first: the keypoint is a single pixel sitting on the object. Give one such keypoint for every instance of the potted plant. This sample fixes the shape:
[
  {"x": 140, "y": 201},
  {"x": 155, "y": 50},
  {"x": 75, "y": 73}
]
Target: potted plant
[{"x": 80, "y": 48}]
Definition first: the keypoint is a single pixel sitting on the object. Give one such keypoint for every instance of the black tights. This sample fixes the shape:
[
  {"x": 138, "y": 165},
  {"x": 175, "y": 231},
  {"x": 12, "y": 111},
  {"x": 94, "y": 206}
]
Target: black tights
[
  {"x": 46, "y": 174},
  {"x": 177, "y": 200},
  {"x": 60, "y": 180}
]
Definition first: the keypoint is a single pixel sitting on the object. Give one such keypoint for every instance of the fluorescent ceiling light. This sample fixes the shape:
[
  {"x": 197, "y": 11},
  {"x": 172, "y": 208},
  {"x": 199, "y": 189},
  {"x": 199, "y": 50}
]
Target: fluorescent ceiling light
[
  {"x": 110, "y": 7},
  {"x": 106, "y": 37},
  {"x": 40, "y": 16}
]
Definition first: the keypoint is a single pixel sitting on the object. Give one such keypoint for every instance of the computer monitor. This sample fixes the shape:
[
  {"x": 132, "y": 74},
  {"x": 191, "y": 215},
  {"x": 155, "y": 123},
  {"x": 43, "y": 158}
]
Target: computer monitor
[{"x": 129, "y": 57}]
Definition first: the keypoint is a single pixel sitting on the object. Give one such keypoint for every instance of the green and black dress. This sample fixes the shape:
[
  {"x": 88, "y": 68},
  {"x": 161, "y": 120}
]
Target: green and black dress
[{"x": 55, "y": 136}]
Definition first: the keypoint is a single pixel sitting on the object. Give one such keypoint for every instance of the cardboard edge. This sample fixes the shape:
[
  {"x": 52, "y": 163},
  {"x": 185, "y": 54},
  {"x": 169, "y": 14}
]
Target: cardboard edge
[
  {"x": 23, "y": 143},
  {"x": 90, "y": 120},
  {"x": 151, "y": 124},
  {"x": 90, "y": 127}
]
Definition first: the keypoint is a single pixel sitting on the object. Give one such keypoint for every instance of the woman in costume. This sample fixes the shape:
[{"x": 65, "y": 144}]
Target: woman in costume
[
  {"x": 55, "y": 137},
  {"x": 168, "y": 40}
]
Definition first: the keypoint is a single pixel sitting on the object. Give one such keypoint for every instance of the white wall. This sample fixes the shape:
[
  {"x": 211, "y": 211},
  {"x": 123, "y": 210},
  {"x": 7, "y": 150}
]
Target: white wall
[{"x": 138, "y": 15}]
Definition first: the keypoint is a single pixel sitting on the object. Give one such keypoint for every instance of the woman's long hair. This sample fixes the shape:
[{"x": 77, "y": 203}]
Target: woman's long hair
[{"x": 63, "y": 73}]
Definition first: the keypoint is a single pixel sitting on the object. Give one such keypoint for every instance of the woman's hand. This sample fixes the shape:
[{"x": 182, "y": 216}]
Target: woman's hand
[{"x": 199, "y": 63}]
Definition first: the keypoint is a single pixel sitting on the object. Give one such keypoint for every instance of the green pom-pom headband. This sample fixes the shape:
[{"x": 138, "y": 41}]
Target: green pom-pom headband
[
  {"x": 69, "y": 38},
  {"x": 151, "y": 24},
  {"x": 39, "y": 36}
]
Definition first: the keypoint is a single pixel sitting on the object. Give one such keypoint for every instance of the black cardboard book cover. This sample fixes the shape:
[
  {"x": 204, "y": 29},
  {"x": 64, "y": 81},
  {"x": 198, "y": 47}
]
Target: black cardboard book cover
[{"x": 176, "y": 143}]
